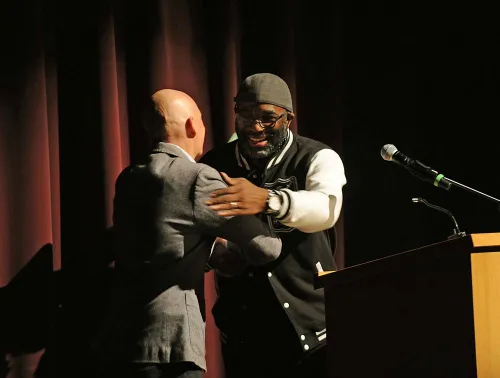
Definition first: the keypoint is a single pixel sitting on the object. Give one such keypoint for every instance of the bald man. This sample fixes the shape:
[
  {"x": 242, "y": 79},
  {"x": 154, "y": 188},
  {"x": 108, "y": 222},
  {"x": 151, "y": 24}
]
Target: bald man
[{"x": 163, "y": 233}]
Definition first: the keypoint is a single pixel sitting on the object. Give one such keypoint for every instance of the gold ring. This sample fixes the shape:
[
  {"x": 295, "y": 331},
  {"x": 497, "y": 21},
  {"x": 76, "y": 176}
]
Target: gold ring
[{"x": 234, "y": 205}]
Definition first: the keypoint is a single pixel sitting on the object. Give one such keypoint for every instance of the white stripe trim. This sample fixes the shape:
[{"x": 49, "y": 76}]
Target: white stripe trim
[
  {"x": 319, "y": 268},
  {"x": 270, "y": 162},
  {"x": 240, "y": 158},
  {"x": 322, "y": 337},
  {"x": 222, "y": 336},
  {"x": 247, "y": 166},
  {"x": 320, "y": 332},
  {"x": 237, "y": 153}
]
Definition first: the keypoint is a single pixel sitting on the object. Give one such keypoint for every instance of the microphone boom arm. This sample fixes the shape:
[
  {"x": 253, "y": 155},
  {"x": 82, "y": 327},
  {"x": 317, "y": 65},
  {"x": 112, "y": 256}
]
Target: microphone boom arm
[{"x": 457, "y": 184}]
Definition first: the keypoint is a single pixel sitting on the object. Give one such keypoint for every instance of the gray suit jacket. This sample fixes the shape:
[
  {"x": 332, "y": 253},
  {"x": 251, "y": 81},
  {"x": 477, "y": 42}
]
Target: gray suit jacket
[{"x": 163, "y": 234}]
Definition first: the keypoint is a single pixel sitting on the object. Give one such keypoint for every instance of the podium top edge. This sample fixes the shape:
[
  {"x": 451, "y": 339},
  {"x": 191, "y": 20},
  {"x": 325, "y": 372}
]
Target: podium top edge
[
  {"x": 485, "y": 240},
  {"x": 321, "y": 274},
  {"x": 471, "y": 243}
]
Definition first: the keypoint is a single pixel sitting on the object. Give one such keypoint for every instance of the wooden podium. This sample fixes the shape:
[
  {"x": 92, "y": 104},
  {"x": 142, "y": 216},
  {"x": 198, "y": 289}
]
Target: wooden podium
[{"x": 429, "y": 312}]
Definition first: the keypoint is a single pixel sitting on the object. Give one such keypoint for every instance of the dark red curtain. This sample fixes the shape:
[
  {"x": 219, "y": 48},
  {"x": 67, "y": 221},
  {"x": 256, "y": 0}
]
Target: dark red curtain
[{"x": 73, "y": 77}]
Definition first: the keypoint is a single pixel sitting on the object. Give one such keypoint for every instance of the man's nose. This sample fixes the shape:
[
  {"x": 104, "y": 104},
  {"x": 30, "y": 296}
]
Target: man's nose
[{"x": 255, "y": 125}]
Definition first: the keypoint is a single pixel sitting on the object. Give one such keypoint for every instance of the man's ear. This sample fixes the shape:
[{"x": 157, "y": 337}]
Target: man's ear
[
  {"x": 289, "y": 117},
  {"x": 190, "y": 128}
]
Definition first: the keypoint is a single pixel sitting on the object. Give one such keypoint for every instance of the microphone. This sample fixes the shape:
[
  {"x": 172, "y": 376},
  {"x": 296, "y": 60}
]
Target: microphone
[
  {"x": 456, "y": 231},
  {"x": 390, "y": 153}
]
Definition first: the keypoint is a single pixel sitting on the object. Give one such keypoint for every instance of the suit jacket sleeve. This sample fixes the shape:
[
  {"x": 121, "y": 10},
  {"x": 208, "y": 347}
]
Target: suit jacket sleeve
[{"x": 257, "y": 242}]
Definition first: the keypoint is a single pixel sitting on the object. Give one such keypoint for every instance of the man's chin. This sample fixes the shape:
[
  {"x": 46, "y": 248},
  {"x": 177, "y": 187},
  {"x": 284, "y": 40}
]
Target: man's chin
[
  {"x": 257, "y": 152},
  {"x": 262, "y": 154}
]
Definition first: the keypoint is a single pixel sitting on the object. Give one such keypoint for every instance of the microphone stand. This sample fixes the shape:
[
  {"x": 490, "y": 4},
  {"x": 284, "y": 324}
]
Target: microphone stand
[{"x": 456, "y": 231}]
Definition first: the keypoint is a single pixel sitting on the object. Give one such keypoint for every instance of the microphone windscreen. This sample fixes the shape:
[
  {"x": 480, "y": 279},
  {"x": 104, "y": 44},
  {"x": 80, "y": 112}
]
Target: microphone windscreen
[{"x": 388, "y": 151}]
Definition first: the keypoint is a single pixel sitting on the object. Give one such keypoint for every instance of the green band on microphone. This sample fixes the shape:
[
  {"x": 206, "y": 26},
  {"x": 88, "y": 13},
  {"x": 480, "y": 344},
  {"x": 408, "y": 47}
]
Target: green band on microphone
[{"x": 438, "y": 178}]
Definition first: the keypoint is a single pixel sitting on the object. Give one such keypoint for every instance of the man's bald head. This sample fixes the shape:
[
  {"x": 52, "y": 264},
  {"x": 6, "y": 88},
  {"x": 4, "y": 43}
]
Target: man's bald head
[
  {"x": 174, "y": 106},
  {"x": 175, "y": 118}
]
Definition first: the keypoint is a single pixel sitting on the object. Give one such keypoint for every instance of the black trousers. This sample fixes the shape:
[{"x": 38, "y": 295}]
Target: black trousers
[
  {"x": 136, "y": 370},
  {"x": 256, "y": 360}
]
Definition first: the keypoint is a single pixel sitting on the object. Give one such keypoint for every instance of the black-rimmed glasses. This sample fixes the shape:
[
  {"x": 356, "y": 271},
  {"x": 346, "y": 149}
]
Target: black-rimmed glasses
[{"x": 265, "y": 121}]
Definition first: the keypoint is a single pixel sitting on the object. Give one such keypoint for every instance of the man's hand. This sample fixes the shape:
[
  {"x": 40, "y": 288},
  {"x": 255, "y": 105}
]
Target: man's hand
[
  {"x": 221, "y": 241},
  {"x": 226, "y": 261},
  {"x": 241, "y": 197}
]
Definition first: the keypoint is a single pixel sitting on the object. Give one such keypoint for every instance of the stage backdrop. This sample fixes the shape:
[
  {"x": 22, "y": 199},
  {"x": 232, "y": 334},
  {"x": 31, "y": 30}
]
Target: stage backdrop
[{"x": 73, "y": 77}]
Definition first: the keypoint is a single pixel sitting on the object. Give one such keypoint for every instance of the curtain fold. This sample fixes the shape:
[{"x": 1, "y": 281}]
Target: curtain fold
[
  {"x": 73, "y": 84},
  {"x": 29, "y": 192}
]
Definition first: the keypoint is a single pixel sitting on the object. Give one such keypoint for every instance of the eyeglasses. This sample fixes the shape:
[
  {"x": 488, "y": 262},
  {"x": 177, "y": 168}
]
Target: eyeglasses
[{"x": 265, "y": 121}]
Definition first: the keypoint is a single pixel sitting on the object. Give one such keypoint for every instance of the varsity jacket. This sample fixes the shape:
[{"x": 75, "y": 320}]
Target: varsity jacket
[{"x": 311, "y": 176}]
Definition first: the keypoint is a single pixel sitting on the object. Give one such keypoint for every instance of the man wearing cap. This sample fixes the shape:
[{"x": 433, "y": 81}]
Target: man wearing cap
[{"x": 272, "y": 320}]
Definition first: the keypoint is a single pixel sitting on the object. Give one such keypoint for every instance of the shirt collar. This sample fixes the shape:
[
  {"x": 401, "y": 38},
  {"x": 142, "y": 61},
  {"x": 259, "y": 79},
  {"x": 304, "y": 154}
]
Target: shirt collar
[{"x": 170, "y": 148}]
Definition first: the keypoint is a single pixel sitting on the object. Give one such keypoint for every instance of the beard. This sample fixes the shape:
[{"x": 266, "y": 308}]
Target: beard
[{"x": 276, "y": 139}]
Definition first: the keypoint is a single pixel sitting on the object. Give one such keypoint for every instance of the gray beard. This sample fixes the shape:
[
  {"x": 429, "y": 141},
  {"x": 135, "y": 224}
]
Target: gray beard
[{"x": 275, "y": 142}]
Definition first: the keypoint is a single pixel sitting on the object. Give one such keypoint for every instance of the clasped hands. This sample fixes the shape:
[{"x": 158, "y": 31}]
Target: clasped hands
[{"x": 241, "y": 197}]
